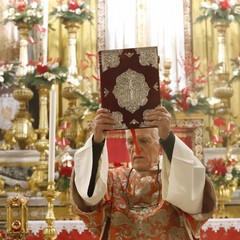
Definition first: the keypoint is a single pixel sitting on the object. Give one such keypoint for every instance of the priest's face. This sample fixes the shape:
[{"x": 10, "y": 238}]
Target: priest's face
[{"x": 149, "y": 148}]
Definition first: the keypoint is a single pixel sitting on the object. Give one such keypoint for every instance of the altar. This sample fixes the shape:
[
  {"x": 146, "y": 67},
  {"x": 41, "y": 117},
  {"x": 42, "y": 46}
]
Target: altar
[{"x": 213, "y": 229}]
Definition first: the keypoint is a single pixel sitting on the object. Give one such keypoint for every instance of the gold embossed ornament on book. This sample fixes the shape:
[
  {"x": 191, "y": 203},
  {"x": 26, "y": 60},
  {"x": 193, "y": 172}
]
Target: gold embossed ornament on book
[{"x": 129, "y": 81}]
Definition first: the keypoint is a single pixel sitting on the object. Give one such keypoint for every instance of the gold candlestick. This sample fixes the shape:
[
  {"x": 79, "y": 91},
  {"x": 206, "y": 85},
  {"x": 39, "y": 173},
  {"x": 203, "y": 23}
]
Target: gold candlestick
[
  {"x": 50, "y": 232},
  {"x": 40, "y": 173}
]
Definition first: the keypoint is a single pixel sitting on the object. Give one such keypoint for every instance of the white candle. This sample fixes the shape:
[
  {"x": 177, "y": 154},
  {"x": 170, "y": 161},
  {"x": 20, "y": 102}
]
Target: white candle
[
  {"x": 52, "y": 134},
  {"x": 45, "y": 37}
]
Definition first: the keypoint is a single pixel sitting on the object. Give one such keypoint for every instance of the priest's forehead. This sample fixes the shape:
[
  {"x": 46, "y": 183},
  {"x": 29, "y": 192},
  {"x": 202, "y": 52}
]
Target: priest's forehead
[{"x": 143, "y": 132}]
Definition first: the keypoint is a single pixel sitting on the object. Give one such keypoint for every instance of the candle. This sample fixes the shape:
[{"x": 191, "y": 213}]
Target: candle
[
  {"x": 45, "y": 37},
  {"x": 52, "y": 134}
]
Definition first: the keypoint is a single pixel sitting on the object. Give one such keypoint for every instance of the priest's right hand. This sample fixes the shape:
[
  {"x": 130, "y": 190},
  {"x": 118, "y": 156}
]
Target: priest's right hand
[{"x": 102, "y": 123}]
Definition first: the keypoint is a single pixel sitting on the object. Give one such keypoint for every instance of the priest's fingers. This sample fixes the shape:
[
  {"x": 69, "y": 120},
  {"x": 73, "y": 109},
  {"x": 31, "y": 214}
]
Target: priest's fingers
[
  {"x": 160, "y": 118},
  {"x": 102, "y": 123}
]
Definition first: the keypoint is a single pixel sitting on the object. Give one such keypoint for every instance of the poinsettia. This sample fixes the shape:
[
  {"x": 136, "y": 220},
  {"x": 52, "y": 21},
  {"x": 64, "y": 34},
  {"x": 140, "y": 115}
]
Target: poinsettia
[{"x": 222, "y": 170}]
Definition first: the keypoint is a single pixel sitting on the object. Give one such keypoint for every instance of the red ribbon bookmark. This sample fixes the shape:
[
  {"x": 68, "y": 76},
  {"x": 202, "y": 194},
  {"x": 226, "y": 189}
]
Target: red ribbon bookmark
[{"x": 135, "y": 141}]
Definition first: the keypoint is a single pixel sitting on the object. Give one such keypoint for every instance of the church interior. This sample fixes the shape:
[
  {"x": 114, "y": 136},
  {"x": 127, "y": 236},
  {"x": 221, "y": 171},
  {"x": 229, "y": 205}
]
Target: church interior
[{"x": 50, "y": 91}]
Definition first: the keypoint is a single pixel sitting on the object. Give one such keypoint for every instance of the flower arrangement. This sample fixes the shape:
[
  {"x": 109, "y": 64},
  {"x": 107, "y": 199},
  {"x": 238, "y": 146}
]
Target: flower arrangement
[
  {"x": 189, "y": 99},
  {"x": 73, "y": 11},
  {"x": 20, "y": 12},
  {"x": 222, "y": 171},
  {"x": 223, "y": 132},
  {"x": 44, "y": 75},
  {"x": 224, "y": 11},
  {"x": 6, "y": 75},
  {"x": 63, "y": 173}
]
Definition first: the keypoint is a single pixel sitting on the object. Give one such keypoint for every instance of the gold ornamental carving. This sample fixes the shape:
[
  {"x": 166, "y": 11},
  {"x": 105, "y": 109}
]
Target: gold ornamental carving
[
  {"x": 22, "y": 129},
  {"x": 223, "y": 195},
  {"x": 17, "y": 215},
  {"x": 131, "y": 90}
]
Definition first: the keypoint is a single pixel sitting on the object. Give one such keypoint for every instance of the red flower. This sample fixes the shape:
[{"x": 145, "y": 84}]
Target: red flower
[
  {"x": 64, "y": 126},
  {"x": 184, "y": 105},
  {"x": 224, "y": 4},
  {"x": 230, "y": 128},
  {"x": 217, "y": 139},
  {"x": 62, "y": 143},
  {"x": 21, "y": 7},
  {"x": 42, "y": 69},
  {"x": 72, "y": 5},
  {"x": 66, "y": 169},
  {"x": 219, "y": 122}
]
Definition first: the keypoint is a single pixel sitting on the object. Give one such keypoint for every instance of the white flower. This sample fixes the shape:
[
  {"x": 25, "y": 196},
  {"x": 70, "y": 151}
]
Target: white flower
[
  {"x": 54, "y": 65},
  {"x": 64, "y": 8},
  {"x": 1, "y": 79},
  {"x": 56, "y": 175},
  {"x": 73, "y": 80},
  {"x": 34, "y": 5},
  {"x": 194, "y": 102},
  {"x": 229, "y": 176},
  {"x": 232, "y": 3},
  {"x": 11, "y": 10},
  {"x": 30, "y": 69},
  {"x": 31, "y": 12},
  {"x": 214, "y": 6},
  {"x": 78, "y": 11},
  {"x": 49, "y": 76},
  {"x": 231, "y": 17},
  {"x": 58, "y": 8},
  {"x": 236, "y": 72},
  {"x": 39, "y": 14},
  {"x": 205, "y": 5}
]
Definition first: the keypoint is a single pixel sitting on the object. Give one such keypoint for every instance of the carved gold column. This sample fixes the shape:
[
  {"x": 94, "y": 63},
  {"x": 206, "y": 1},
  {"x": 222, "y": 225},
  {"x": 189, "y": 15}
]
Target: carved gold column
[
  {"x": 222, "y": 90},
  {"x": 71, "y": 114}
]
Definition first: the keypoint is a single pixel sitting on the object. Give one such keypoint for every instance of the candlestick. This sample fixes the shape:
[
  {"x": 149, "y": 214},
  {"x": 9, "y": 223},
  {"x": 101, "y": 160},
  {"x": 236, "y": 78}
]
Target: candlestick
[
  {"x": 52, "y": 135},
  {"x": 45, "y": 36}
]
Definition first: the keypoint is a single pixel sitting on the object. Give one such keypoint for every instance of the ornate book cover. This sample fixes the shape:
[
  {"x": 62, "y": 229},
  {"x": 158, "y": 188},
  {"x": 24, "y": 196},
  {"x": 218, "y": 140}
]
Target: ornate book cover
[{"x": 129, "y": 84}]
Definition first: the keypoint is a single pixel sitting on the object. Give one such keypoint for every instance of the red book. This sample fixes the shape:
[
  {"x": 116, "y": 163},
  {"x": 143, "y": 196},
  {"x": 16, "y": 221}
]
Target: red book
[{"x": 129, "y": 84}]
